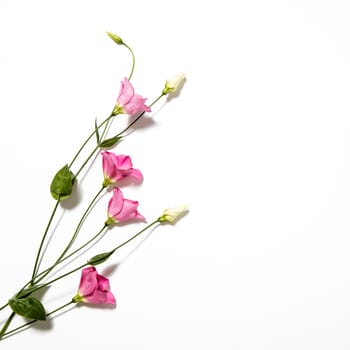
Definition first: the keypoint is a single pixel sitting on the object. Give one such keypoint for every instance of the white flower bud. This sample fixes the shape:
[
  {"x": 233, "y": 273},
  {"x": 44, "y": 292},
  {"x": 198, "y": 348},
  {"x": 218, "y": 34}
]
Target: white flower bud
[
  {"x": 171, "y": 215},
  {"x": 173, "y": 84}
]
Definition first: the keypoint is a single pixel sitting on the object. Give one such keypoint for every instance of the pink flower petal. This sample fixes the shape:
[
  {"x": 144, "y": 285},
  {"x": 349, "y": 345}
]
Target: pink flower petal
[
  {"x": 136, "y": 105},
  {"x": 88, "y": 281},
  {"x": 116, "y": 203},
  {"x": 124, "y": 162},
  {"x": 100, "y": 297},
  {"x": 117, "y": 167},
  {"x": 136, "y": 174},
  {"x": 129, "y": 211},
  {"x": 94, "y": 288},
  {"x": 126, "y": 92},
  {"x": 128, "y": 101}
]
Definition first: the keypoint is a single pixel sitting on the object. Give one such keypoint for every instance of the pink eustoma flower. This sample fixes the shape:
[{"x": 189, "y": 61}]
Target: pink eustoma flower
[
  {"x": 128, "y": 102},
  {"x": 117, "y": 167},
  {"x": 94, "y": 288},
  {"x": 121, "y": 209}
]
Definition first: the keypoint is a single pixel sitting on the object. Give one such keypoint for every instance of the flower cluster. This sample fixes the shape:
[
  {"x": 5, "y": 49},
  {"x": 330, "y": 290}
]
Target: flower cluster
[{"x": 117, "y": 169}]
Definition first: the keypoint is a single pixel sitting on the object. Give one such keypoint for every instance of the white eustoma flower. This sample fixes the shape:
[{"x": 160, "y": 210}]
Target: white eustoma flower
[
  {"x": 171, "y": 85},
  {"x": 171, "y": 215}
]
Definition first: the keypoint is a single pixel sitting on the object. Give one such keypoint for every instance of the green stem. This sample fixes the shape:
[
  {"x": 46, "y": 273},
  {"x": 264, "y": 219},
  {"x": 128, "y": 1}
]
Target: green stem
[
  {"x": 70, "y": 255},
  {"x": 42, "y": 241},
  {"x": 60, "y": 277},
  {"x": 134, "y": 236},
  {"x": 6, "y": 325},
  {"x": 139, "y": 116},
  {"x": 133, "y": 60},
  {"x": 81, "y": 222},
  {"x": 74, "y": 236},
  {"x": 3, "y": 307},
  {"x": 33, "y": 321},
  {"x": 88, "y": 139},
  {"x": 86, "y": 161},
  {"x": 85, "y": 264}
]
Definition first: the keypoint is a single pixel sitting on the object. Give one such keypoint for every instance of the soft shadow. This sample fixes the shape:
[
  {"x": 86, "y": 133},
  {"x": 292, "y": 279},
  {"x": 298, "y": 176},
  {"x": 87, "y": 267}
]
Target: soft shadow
[
  {"x": 74, "y": 199},
  {"x": 97, "y": 306},
  {"x": 143, "y": 123},
  {"x": 49, "y": 324},
  {"x": 110, "y": 270},
  {"x": 137, "y": 246}
]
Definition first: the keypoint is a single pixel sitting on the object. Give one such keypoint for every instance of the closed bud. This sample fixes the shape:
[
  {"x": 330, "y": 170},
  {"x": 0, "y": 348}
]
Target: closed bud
[
  {"x": 171, "y": 85},
  {"x": 171, "y": 215},
  {"x": 117, "y": 39}
]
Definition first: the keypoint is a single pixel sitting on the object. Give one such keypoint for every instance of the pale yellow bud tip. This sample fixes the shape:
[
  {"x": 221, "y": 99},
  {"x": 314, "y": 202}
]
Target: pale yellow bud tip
[
  {"x": 117, "y": 39},
  {"x": 171, "y": 85},
  {"x": 171, "y": 215}
]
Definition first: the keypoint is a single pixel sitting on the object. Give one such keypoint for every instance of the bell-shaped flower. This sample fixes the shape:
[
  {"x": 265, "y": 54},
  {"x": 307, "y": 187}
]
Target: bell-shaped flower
[
  {"x": 94, "y": 288},
  {"x": 128, "y": 102},
  {"x": 171, "y": 215},
  {"x": 171, "y": 85},
  {"x": 121, "y": 209},
  {"x": 118, "y": 167}
]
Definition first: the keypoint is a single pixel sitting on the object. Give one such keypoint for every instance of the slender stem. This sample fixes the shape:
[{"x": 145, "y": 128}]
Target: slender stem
[
  {"x": 6, "y": 325},
  {"x": 139, "y": 116},
  {"x": 134, "y": 236},
  {"x": 60, "y": 277},
  {"x": 43, "y": 240},
  {"x": 105, "y": 122},
  {"x": 85, "y": 264},
  {"x": 70, "y": 255},
  {"x": 33, "y": 321},
  {"x": 3, "y": 307},
  {"x": 81, "y": 222},
  {"x": 88, "y": 139},
  {"x": 133, "y": 60},
  {"x": 74, "y": 236},
  {"x": 86, "y": 161},
  {"x": 4, "y": 333}
]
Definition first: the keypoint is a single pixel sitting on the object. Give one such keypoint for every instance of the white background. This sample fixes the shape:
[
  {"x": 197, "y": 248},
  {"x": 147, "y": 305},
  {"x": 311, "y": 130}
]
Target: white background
[{"x": 257, "y": 145}]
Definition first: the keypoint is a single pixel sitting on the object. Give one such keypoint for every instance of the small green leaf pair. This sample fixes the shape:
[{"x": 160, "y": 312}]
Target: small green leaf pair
[{"x": 106, "y": 143}]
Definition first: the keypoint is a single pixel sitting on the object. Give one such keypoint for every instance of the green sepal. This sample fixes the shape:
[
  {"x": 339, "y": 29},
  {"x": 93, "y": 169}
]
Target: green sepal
[
  {"x": 62, "y": 184},
  {"x": 99, "y": 258},
  {"x": 29, "y": 307},
  {"x": 110, "y": 142},
  {"x": 117, "y": 39}
]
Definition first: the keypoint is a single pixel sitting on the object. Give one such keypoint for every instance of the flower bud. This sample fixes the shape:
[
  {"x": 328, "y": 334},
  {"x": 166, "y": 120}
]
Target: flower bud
[
  {"x": 171, "y": 215},
  {"x": 171, "y": 85},
  {"x": 117, "y": 39}
]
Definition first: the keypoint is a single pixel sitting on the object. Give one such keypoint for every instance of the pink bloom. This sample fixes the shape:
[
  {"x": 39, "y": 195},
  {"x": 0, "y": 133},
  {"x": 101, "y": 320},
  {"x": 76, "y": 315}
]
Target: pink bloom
[
  {"x": 121, "y": 209},
  {"x": 128, "y": 102},
  {"x": 116, "y": 168},
  {"x": 94, "y": 288}
]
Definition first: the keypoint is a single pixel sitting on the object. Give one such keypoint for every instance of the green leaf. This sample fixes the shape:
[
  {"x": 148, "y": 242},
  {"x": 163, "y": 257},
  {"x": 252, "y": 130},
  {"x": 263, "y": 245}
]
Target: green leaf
[
  {"x": 110, "y": 142},
  {"x": 97, "y": 133},
  {"x": 26, "y": 292},
  {"x": 62, "y": 184},
  {"x": 29, "y": 307},
  {"x": 99, "y": 258}
]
